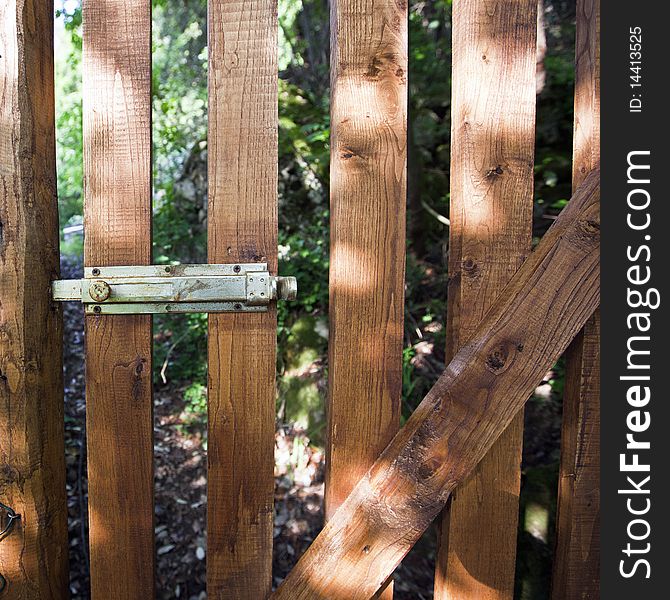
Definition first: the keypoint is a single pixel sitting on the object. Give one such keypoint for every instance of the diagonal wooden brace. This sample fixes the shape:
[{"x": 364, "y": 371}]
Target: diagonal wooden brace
[{"x": 485, "y": 385}]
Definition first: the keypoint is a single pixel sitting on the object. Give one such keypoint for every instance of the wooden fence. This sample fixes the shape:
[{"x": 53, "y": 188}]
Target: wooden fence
[{"x": 511, "y": 312}]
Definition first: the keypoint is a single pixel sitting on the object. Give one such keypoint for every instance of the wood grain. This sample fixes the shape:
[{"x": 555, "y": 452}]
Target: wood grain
[
  {"x": 481, "y": 391},
  {"x": 367, "y": 267},
  {"x": 33, "y": 557},
  {"x": 491, "y": 210},
  {"x": 242, "y": 227},
  {"x": 117, "y": 212},
  {"x": 577, "y": 559}
]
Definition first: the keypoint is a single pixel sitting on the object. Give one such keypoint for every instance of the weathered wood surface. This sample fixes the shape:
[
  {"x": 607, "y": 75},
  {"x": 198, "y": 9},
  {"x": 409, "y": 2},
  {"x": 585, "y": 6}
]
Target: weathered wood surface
[
  {"x": 242, "y": 222},
  {"x": 530, "y": 324},
  {"x": 117, "y": 211},
  {"x": 577, "y": 559},
  {"x": 367, "y": 267},
  {"x": 33, "y": 557},
  {"x": 491, "y": 210}
]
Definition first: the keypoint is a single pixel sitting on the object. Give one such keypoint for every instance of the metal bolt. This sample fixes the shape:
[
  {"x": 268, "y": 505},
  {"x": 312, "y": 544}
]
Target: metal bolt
[
  {"x": 237, "y": 306},
  {"x": 97, "y": 309},
  {"x": 99, "y": 291},
  {"x": 95, "y": 272},
  {"x": 237, "y": 268},
  {"x": 287, "y": 288},
  {"x": 168, "y": 269}
]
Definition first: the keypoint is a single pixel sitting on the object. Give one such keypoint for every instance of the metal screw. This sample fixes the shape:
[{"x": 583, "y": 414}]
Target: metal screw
[
  {"x": 95, "y": 272},
  {"x": 237, "y": 268},
  {"x": 237, "y": 306},
  {"x": 99, "y": 291},
  {"x": 168, "y": 269},
  {"x": 97, "y": 309}
]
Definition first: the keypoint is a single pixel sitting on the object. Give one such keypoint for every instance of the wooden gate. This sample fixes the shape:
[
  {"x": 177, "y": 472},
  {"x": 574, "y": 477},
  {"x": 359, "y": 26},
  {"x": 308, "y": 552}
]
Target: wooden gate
[{"x": 511, "y": 312}]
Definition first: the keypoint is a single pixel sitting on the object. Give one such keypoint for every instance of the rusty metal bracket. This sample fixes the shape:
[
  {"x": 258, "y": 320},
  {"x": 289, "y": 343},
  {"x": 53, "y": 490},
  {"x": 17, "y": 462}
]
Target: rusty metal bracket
[
  {"x": 12, "y": 517},
  {"x": 176, "y": 289}
]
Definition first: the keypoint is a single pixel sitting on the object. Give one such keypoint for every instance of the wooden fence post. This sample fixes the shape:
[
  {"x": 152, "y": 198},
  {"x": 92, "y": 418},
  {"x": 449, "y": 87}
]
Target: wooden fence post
[
  {"x": 242, "y": 226},
  {"x": 577, "y": 559},
  {"x": 367, "y": 265},
  {"x": 117, "y": 212},
  {"x": 493, "y": 141},
  {"x": 33, "y": 556}
]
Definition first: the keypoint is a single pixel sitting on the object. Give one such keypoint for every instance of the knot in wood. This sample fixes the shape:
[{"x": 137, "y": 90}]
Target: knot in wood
[
  {"x": 470, "y": 267},
  {"x": 590, "y": 227},
  {"x": 497, "y": 170},
  {"x": 496, "y": 361},
  {"x": 586, "y": 232}
]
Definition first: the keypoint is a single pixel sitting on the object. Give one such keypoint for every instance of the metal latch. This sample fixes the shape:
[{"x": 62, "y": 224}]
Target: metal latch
[{"x": 176, "y": 289}]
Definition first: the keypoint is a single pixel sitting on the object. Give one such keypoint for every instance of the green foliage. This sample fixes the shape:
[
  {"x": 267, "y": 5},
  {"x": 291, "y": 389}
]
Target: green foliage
[
  {"x": 195, "y": 399},
  {"x": 180, "y": 347},
  {"x": 194, "y": 416},
  {"x": 69, "y": 124},
  {"x": 553, "y": 154},
  {"x": 536, "y": 538},
  {"x": 179, "y": 114}
]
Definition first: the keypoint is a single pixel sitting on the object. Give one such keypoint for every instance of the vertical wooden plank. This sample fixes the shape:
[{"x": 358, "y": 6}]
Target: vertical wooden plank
[
  {"x": 117, "y": 188},
  {"x": 493, "y": 135},
  {"x": 367, "y": 266},
  {"x": 577, "y": 560},
  {"x": 33, "y": 557},
  {"x": 242, "y": 227}
]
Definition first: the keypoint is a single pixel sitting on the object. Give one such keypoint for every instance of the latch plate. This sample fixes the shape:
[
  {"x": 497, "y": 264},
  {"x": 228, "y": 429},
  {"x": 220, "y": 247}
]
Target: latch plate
[{"x": 241, "y": 287}]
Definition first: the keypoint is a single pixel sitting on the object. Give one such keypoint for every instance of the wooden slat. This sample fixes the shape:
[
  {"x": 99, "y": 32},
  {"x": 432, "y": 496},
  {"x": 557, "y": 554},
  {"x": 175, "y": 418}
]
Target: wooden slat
[
  {"x": 493, "y": 135},
  {"x": 33, "y": 557},
  {"x": 117, "y": 209},
  {"x": 367, "y": 244},
  {"x": 577, "y": 560},
  {"x": 242, "y": 223},
  {"x": 367, "y": 267},
  {"x": 486, "y": 384}
]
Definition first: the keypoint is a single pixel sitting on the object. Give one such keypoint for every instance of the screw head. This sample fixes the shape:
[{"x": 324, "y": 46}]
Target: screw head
[
  {"x": 237, "y": 306},
  {"x": 237, "y": 268},
  {"x": 97, "y": 309},
  {"x": 95, "y": 272},
  {"x": 99, "y": 290},
  {"x": 168, "y": 269}
]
